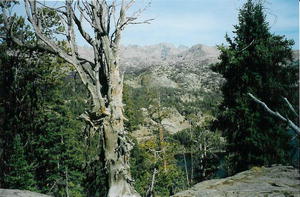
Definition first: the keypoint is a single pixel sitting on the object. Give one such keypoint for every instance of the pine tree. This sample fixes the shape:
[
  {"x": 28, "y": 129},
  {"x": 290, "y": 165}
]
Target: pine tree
[
  {"x": 18, "y": 105},
  {"x": 20, "y": 173},
  {"x": 255, "y": 61},
  {"x": 34, "y": 111}
]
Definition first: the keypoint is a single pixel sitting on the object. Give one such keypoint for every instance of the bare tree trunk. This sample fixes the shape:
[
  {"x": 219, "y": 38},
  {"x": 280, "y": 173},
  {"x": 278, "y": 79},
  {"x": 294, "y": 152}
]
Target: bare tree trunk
[
  {"x": 192, "y": 159},
  {"x": 101, "y": 76},
  {"x": 186, "y": 169},
  {"x": 202, "y": 160},
  {"x": 192, "y": 168},
  {"x": 150, "y": 192},
  {"x": 116, "y": 145},
  {"x": 67, "y": 183},
  {"x": 204, "y": 156},
  {"x": 117, "y": 161}
]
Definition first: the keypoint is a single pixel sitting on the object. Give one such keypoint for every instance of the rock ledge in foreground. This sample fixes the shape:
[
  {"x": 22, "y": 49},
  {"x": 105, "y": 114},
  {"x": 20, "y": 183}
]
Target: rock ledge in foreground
[
  {"x": 19, "y": 193},
  {"x": 279, "y": 181}
]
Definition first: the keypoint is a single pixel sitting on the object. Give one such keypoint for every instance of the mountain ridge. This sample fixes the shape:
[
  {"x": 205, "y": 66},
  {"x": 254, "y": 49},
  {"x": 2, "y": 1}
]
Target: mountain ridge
[{"x": 136, "y": 57}]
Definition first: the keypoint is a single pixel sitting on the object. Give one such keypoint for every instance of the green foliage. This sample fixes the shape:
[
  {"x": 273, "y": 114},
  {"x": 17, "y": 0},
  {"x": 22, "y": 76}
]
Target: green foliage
[
  {"x": 141, "y": 168},
  {"x": 206, "y": 102},
  {"x": 170, "y": 182},
  {"x": 145, "y": 157},
  {"x": 95, "y": 182},
  {"x": 134, "y": 99},
  {"x": 203, "y": 149},
  {"x": 255, "y": 61},
  {"x": 20, "y": 174},
  {"x": 51, "y": 23},
  {"x": 34, "y": 112},
  {"x": 40, "y": 101},
  {"x": 59, "y": 152},
  {"x": 18, "y": 103}
]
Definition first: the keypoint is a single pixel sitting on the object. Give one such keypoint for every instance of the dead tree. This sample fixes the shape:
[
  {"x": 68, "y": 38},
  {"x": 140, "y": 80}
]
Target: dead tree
[
  {"x": 101, "y": 76},
  {"x": 150, "y": 191}
]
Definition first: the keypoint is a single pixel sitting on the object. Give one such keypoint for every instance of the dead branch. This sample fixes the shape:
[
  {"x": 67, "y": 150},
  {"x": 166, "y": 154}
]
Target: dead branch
[
  {"x": 290, "y": 106},
  {"x": 247, "y": 46},
  {"x": 277, "y": 114},
  {"x": 150, "y": 192}
]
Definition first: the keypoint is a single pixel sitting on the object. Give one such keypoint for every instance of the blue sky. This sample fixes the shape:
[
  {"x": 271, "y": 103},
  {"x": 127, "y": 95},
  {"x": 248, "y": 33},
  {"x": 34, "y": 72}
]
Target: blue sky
[{"x": 190, "y": 22}]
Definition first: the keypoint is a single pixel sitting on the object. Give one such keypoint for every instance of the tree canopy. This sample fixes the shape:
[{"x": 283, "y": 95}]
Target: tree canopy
[{"x": 258, "y": 62}]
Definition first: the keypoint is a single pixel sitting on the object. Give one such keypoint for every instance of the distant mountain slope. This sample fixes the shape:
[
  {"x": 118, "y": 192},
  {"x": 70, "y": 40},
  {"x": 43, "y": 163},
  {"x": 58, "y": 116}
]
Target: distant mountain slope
[
  {"x": 182, "y": 78},
  {"x": 180, "y": 75},
  {"x": 134, "y": 57},
  {"x": 165, "y": 65}
]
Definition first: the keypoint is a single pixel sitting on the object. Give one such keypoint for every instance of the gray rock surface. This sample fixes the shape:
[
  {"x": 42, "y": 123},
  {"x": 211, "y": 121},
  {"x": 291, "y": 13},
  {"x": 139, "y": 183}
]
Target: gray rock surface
[
  {"x": 279, "y": 181},
  {"x": 19, "y": 193},
  {"x": 172, "y": 122}
]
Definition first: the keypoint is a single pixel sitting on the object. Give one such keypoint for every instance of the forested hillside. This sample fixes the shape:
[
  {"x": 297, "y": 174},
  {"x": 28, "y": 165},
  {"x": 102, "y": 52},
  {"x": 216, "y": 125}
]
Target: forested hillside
[{"x": 129, "y": 121}]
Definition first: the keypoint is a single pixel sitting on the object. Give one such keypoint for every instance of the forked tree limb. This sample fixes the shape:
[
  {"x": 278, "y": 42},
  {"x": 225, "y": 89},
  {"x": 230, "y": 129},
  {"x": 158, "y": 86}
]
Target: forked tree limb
[{"x": 277, "y": 114}]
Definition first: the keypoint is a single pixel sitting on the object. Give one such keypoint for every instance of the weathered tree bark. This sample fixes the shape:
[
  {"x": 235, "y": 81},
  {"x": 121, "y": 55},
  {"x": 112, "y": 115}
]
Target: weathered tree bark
[
  {"x": 101, "y": 76},
  {"x": 116, "y": 145}
]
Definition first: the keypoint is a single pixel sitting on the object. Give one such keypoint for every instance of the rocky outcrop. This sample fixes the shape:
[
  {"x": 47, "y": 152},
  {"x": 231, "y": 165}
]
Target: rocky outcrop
[
  {"x": 19, "y": 193},
  {"x": 172, "y": 122},
  {"x": 276, "y": 181}
]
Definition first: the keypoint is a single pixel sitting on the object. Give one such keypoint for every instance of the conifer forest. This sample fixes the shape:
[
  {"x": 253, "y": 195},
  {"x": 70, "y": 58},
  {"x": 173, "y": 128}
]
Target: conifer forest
[{"x": 107, "y": 119}]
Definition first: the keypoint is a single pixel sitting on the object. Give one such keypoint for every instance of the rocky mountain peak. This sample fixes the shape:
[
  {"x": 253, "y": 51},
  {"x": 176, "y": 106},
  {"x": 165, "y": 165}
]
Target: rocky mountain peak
[{"x": 136, "y": 57}]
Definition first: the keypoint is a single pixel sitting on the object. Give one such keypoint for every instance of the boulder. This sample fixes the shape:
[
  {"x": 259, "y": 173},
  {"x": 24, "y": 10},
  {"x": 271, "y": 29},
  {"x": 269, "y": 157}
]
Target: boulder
[
  {"x": 19, "y": 193},
  {"x": 257, "y": 182}
]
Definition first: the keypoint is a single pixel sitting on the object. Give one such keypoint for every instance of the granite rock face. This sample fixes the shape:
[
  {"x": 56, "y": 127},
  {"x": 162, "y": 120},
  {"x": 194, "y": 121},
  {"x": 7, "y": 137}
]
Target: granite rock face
[
  {"x": 279, "y": 181},
  {"x": 19, "y": 193}
]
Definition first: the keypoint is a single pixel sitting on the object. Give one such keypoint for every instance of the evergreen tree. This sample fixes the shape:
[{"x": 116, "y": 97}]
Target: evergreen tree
[
  {"x": 40, "y": 101},
  {"x": 40, "y": 138},
  {"x": 58, "y": 148},
  {"x": 18, "y": 105},
  {"x": 255, "y": 61},
  {"x": 20, "y": 174},
  {"x": 34, "y": 112}
]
